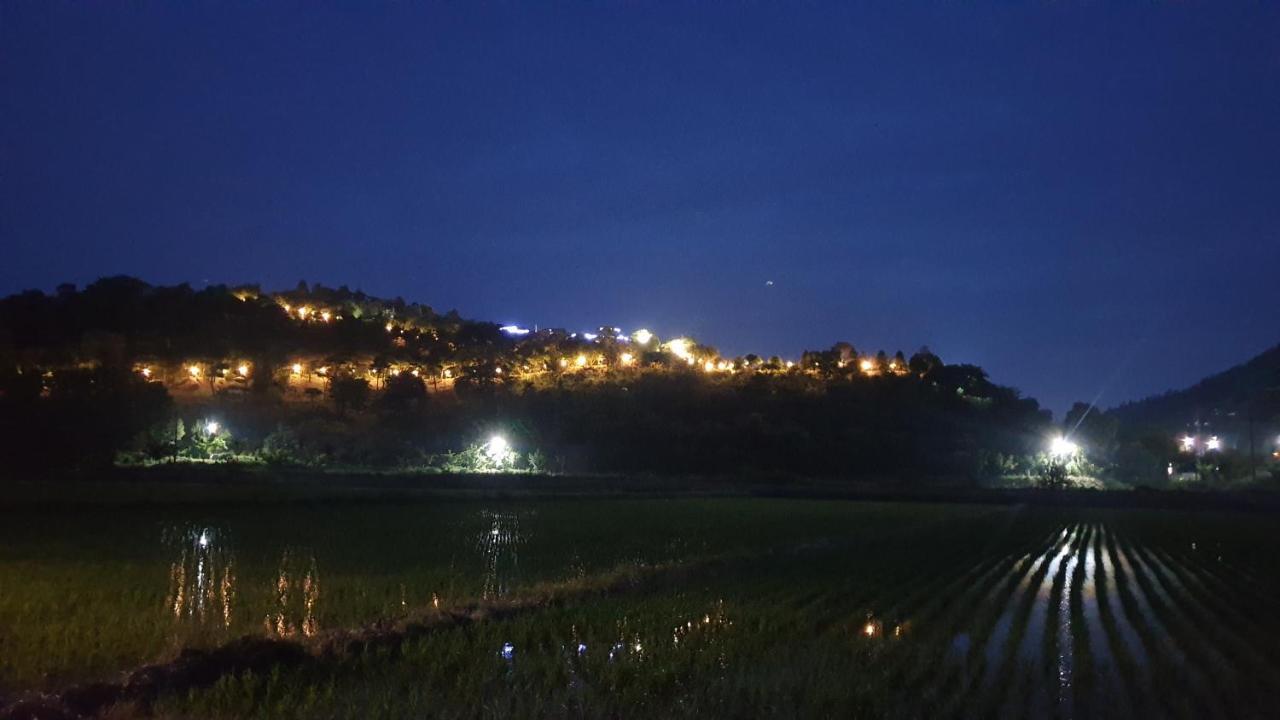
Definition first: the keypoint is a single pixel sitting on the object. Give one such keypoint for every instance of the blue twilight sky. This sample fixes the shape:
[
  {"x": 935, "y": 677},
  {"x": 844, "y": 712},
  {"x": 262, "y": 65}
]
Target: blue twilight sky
[{"x": 1081, "y": 197}]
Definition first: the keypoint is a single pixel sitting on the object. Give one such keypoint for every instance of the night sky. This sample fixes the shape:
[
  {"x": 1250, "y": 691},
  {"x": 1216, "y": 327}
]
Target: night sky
[{"x": 1083, "y": 200}]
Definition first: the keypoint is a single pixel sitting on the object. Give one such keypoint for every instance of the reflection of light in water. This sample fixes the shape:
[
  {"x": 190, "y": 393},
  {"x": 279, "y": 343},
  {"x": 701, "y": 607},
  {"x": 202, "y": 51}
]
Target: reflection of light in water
[
  {"x": 709, "y": 624},
  {"x": 297, "y": 595},
  {"x": 499, "y": 548},
  {"x": 202, "y": 580}
]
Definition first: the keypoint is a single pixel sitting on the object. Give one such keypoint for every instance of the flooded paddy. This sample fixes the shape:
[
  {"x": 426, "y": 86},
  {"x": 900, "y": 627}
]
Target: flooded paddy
[{"x": 747, "y": 607}]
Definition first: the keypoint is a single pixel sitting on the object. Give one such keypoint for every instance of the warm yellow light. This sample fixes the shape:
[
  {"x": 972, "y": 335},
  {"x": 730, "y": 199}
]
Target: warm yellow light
[
  {"x": 790, "y": 364},
  {"x": 194, "y": 371},
  {"x": 680, "y": 348},
  {"x": 395, "y": 372},
  {"x": 497, "y": 371},
  {"x": 303, "y": 312},
  {"x": 581, "y": 361},
  {"x": 296, "y": 368},
  {"x": 722, "y": 365},
  {"x": 388, "y": 326},
  {"x": 322, "y": 370},
  {"x": 627, "y": 358},
  {"x": 564, "y": 362},
  {"x": 893, "y": 366},
  {"x": 867, "y": 366},
  {"x": 415, "y": 372},
  {"x": 642, "y": 336},
  {"x": 869, "y": 629},
  {"x": 146, "y": 372},
  {"x": 324, "y": 315},
  {"x": 242, "y": 370},
  {"x": 709, "y": 366},
  {"x": 448, "y": 373}
]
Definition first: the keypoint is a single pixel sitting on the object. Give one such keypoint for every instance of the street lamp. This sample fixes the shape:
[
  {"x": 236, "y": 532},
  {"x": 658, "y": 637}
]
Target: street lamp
[{"x": 1062, "y": 448}]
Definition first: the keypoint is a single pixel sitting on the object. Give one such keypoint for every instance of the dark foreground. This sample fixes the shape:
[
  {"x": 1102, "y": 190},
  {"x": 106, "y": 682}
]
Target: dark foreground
[{"x": 670, "y": 607}]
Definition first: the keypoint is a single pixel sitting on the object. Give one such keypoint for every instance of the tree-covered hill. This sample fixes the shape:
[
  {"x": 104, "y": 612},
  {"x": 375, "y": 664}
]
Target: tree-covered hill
[
  {"x": 326, "y": 377},
  {"x": 1249, "y": 388}
]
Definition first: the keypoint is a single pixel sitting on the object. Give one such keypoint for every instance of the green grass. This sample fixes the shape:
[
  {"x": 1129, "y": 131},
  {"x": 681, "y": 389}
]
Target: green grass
[{"x": 778, "y": 608}]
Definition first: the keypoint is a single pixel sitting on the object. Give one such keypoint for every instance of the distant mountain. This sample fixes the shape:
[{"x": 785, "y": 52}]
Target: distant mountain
[{"x": 1223, "y": 400}]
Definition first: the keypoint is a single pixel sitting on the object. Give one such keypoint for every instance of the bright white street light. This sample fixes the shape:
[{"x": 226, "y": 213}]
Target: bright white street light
[
  {"x": 498, "y": 450},
  {"x": 211, "y": 427},
  {"x": 1214, "y": 443},
  {"x": 1060, "y": 447}
]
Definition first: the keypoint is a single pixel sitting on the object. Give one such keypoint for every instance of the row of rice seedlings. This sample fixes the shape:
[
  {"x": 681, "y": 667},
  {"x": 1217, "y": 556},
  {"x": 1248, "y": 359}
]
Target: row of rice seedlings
[
  {"x": 1168, "y": 663},
  {"x": 989, "y": 628},
  {"x": 1237, "y": 671},
  {"x": 941, "y": 625},
  {"x": 1119, "y": 656}
]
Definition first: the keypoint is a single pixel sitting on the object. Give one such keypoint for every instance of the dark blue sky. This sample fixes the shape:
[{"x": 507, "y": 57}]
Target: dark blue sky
[{"x": 1078, "y": 198}]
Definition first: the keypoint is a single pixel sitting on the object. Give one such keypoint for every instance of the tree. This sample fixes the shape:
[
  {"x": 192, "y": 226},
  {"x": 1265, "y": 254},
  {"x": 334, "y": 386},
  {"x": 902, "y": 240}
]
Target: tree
[
  {"x": 349, "y": 393},
  {"x": 924, "y": 362},
  {"x": 404, "y": 394}
]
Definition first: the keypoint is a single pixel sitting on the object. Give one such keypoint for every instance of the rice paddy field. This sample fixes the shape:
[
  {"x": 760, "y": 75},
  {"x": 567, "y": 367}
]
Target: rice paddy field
[{"x": 739, "y": 608}]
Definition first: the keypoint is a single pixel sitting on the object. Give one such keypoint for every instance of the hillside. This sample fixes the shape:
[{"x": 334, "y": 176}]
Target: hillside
[
  {"x": 1222, "y": 399},
  {"x": 327, "y": 377}
]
